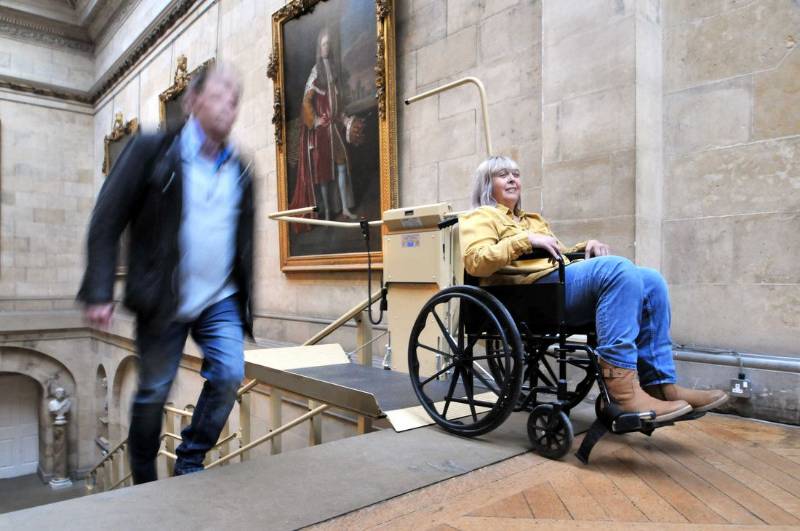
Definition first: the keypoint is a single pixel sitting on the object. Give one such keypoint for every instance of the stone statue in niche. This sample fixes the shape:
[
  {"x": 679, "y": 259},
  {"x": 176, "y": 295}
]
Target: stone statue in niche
[{"x": 59, "y": 406}]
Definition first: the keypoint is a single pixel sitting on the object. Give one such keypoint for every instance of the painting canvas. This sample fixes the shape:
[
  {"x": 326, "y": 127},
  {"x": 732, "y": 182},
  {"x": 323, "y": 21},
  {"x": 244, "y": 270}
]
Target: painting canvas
[{"x": 334, "y": 126}]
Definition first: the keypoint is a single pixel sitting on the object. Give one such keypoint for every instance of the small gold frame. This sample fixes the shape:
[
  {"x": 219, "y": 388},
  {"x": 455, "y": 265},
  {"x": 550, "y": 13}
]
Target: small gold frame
[
  {"x": 119, "y": 132},
  {"x": 180, "y": 83}
]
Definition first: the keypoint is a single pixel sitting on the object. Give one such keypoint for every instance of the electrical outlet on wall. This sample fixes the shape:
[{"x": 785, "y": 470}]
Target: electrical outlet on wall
[{"x": 741, "y": 387}]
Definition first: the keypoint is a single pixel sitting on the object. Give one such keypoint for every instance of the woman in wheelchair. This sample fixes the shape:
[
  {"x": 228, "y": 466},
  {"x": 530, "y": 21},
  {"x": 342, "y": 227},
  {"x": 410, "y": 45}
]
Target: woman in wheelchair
[{"x": 629, "y": 304}]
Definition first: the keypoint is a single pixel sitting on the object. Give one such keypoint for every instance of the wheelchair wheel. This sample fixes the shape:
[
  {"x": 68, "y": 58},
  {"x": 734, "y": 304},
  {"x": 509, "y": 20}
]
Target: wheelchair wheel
[
  {"x": 550, "y": 432},
  {"x": 449, "y": 363}
]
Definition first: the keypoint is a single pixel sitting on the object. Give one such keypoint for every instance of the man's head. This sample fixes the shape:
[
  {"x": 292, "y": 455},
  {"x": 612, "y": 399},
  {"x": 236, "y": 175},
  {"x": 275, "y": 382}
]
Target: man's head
[{"x": 213, "y": 99}]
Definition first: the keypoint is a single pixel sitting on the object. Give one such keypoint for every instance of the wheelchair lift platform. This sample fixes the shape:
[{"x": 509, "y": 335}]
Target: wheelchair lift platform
[{"x": 324, "y": 373}]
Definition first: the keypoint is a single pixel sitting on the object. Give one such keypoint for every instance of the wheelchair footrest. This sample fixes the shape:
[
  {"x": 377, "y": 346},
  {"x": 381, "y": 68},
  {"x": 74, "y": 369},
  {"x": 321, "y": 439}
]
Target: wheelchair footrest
[
  {"x": 595, "y": 433},
  {"x": 627, "y": 422}
]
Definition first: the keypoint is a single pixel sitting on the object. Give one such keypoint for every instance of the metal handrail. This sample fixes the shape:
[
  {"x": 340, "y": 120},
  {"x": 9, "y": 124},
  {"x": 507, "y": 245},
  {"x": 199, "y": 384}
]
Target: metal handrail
[
  {"x": 107, "y": 457},
  {"x": 299, "y": 420},
  {"x": 121, "y": 481},
  {"x": 484, "y": 107}
]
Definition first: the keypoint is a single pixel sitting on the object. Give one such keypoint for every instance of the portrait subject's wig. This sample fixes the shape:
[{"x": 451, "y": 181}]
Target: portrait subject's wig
[
  {"x": 482, "y": 180},
  {"x": 333, "y": 62}
]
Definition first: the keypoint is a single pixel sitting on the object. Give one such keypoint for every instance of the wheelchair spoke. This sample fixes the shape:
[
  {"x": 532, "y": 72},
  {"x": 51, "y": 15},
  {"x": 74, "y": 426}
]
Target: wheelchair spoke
[
  {"x": 436, "y": 350},
  {"x": 488, "y": 357},
  {"x": 439, "y": 373},
  {"x": 461, "y": 328},
  {"x": 476, "y": 401},
  {"x": 446, "y": 333},
  {"x": 485, "y": 382},
  {"x": 470, "y": 392},
  {"x": 450, "y": 391}
]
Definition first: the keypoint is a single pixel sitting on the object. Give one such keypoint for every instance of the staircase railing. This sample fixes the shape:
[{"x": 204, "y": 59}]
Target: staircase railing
[{"x": 113, "y": 470}]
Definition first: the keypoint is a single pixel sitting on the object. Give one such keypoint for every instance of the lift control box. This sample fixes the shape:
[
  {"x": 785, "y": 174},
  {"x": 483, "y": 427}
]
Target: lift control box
[{"x": 415, "y": 250}]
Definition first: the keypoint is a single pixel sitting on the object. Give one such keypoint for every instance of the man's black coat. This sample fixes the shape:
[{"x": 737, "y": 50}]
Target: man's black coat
[{"x": 144, "y": 190}]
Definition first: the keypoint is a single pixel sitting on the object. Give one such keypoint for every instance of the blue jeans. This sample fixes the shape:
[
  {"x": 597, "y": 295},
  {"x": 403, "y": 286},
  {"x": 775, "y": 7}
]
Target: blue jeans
[
  {"x": 630, "y": 307},
  {"x": 219, "y": 332}
]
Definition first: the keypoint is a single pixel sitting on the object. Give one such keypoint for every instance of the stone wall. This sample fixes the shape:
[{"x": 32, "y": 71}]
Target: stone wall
[
  {"x": 732, "y": 180},
  {"x": 47, "y": 197}
]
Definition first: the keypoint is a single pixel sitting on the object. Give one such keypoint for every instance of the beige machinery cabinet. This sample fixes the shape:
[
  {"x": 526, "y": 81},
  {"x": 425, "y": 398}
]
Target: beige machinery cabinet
[{"x": 419, "y": 259}]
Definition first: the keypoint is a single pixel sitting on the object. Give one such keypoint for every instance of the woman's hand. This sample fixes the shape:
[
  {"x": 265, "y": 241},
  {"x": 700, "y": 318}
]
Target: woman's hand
[
  {"x": 596, "y": 248},
  {"x": 547, "y": 243}
]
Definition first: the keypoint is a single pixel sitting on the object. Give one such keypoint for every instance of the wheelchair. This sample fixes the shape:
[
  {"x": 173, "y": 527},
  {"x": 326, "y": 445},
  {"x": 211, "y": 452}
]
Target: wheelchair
[{"x": 477, "y": 354}]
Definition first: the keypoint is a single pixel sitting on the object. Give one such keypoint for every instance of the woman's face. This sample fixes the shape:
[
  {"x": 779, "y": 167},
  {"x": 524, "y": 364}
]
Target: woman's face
[{"x": 506, "y": 187}]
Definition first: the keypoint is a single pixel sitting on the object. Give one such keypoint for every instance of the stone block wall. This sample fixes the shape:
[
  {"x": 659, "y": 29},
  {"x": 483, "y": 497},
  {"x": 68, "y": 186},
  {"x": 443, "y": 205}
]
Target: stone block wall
[
  {"x": 47, "y": 197},
  {"x": 589, "y": 121},
  {"x": 731, "y": 176}
]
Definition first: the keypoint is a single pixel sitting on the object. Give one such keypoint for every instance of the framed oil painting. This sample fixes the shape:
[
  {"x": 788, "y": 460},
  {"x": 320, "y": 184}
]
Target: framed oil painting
[
  {"x": 333, "y": 70},
  {"x": 170, "y": 109},
  {"x": 114, "y": 144}
]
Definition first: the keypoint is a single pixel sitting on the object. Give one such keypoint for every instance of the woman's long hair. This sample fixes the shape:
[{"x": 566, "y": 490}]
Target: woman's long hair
[{"x": 482, "y": 180}]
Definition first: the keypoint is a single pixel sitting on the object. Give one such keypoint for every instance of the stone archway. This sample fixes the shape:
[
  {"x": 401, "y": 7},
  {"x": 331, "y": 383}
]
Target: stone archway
[
  {"x": 101, "y": 410},
  {"x": 19, "y": 425},
  {"x": 125, "y": 381},
  {"x": 48, "y": 372}
]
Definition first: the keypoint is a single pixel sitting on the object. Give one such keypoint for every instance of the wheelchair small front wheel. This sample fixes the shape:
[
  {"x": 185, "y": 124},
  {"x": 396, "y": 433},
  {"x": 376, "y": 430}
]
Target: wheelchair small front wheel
[{"x": 550, "y": 431}]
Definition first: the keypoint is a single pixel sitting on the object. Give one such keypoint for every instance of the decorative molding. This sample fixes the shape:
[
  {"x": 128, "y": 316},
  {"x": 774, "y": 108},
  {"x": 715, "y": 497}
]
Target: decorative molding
[
  {"x": 43, "y": 90},
  {"x": 383, "y": 8},
  {"x": 296, "y": 8},
  {"x": 277, "y": 117},
  {"x": 272, "y": 66},
  {"x": 40, "y": 30},
  {"x": 161, "y": 27},
  {"x": 109, "y": 28}
]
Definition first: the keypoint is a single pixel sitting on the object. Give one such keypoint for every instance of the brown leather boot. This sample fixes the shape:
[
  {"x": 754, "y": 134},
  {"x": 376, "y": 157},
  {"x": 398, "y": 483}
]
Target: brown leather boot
[
  {"x": 699, "y": 400},
  {"x": 623, "y": 386}
]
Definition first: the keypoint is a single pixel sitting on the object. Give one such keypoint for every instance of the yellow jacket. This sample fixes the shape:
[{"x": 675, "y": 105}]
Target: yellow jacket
[{"x": 491, "y": 238}]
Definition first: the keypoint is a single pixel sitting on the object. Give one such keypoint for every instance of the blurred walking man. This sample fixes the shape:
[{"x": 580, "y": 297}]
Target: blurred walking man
[{"x": 188, "y": 201}]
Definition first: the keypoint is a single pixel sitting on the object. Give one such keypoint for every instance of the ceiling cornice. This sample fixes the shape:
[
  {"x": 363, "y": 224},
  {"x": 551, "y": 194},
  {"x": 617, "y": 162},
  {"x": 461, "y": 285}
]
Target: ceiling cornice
[
  {"x": 127, "y": 61},
  {"x": 34, "y": 28}
]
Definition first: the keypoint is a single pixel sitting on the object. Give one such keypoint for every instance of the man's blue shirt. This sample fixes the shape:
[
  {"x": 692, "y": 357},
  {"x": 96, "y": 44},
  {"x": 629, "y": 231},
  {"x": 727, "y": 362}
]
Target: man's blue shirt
[{"x": 211, "y": 199}]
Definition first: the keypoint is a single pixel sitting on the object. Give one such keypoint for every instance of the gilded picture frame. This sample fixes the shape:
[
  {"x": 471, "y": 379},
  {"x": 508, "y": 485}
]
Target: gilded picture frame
[
  {"x": 170, "y": 112},
  {"x": 117, "y": 139},
  {"x": 114, "y": 144},
  {"x": 334, "y": 117}
]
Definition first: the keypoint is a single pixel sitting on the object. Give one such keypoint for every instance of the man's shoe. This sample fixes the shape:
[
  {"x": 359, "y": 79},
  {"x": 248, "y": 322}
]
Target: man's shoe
[
  {"x": 699, "y": 400},
  {"x": 623, "y": 386}
]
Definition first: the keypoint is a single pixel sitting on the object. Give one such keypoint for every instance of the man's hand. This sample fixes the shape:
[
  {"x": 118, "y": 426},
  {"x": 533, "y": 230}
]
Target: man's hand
[
  {"x": 547, "y": 243},
  {"x": 99, "y": 315},
  {"x": 596, "y": 248},
  {"x": 323, "y": 120}
]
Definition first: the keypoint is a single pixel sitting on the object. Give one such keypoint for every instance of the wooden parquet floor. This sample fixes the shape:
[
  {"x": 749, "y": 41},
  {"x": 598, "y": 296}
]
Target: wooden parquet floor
[{"x": 718, "y": 472}]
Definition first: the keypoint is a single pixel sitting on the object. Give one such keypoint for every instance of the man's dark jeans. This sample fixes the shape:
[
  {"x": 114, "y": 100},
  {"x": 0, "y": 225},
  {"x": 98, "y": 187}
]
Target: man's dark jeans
[{"x": 219, "y": 333}]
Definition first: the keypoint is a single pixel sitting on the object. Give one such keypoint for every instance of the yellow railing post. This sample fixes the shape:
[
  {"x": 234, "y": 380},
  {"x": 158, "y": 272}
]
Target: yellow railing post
[
  {"x": 315, "y": 425},
  {"x": 275, "y": 418},
  {"x": 126, "y": 463},
  {"x": 169, "y": 427},
  {"x": 108, "y": 479},
  {"x": 245, "y": 421},
  {"x": 364, "y": 338}
]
